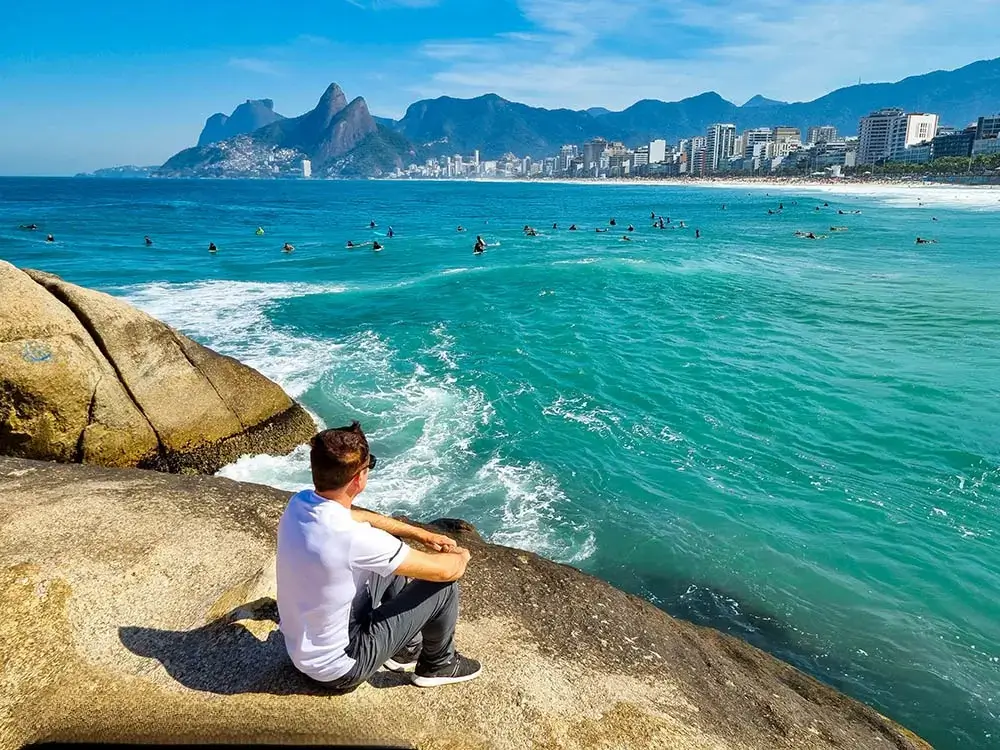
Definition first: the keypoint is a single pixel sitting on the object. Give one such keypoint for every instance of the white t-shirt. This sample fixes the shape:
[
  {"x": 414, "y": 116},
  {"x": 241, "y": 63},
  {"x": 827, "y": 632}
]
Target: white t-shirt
[{"x": 325, "y": 561}]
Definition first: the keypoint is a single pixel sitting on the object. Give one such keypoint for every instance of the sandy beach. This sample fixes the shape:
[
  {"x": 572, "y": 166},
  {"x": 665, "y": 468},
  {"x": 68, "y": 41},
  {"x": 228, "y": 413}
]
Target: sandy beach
[{"x": 915, "y": 194}]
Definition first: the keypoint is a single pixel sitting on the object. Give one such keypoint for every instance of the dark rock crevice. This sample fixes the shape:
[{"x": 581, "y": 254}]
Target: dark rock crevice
[{"x": 90, "y": 420}]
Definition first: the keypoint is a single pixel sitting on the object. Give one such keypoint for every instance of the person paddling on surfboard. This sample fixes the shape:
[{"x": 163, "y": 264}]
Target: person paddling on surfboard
[{"x": 480, "y": 247}]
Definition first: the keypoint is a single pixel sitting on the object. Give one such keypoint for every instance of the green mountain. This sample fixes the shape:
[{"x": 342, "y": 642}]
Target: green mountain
[
  {"x": 494, "y": 125},
  {"x": 337, "y": 136}
]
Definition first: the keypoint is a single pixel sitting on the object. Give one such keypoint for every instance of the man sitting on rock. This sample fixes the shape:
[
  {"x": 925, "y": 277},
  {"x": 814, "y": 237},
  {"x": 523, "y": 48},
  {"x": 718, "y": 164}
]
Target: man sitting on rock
[{"x": 345, "y": 602}]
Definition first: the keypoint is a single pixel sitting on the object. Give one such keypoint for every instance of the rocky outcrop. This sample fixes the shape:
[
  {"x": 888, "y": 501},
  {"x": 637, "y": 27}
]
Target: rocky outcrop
[
  {"x": 138, "y": 607},
  {"x": 246, "y": 118},
  {"x": 336, "y": 136},
  {"x": 84, "y": 377}
]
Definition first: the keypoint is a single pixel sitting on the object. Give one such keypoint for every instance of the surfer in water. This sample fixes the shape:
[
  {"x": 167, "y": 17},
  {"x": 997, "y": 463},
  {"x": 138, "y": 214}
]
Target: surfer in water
[
  {"x": 29, "y": 227},
  {"x": 260, "y": 231},
  {"x": 613, "y": 222},
  {"x": 149, "y": 242},
  {"x": 631, "y": 228},
  {"x": 287, "y": 248},
  {"x": 480, "y": 247},
  {"x": 376, "y": 246},
  {"x": 460, "y": 228},
  {"x": 600, "y": 229},
  {"x": 626, "y": 238},
  {"x": 697, "y": 234},
  {"x": 572, "y": 227},
  {"x": 925, "y": 241},
  {"x": 389, "y": 233},
  {"x": 554, "y": 225},
  {"x": 660, "y": 224},
  {"x": 652, "y": 215},
  {"x": 212, "y": 248},
  {"x": 371, "y": 224},
  {"x": 50, "y": 238}
]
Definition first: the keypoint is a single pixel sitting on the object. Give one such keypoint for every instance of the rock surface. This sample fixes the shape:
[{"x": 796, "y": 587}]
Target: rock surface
[
  {"x": 84, "y": 377},
  {"x": 138, "y": 607}
]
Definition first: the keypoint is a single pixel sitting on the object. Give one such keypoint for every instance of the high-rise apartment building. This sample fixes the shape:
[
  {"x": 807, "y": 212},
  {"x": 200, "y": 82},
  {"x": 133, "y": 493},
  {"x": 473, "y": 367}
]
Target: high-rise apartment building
[
  {"x": 988, "y": 127},
  {"x": 911, "y": 130},
  {"x": 751, "y": 138},
  {"x": 592, "y": 152},
  {"x": 875, "y": 134},
  {"x": 719, "y": 142},
  {"x": 787, "y": 134},
  {"x": 657, "y": 151},
  {"x": 821, "y": 134}
]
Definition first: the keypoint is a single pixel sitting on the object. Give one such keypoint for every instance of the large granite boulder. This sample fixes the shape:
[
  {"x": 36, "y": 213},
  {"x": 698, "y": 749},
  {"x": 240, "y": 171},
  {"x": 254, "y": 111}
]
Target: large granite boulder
[
  {"x": 138, "y": 607},
  {"x": 85, "y": 377}
]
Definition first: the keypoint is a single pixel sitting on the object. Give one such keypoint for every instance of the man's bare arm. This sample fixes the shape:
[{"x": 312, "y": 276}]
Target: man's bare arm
[
  {"x": 402, "y": 530},
  {"x": 440, "y": 568}
]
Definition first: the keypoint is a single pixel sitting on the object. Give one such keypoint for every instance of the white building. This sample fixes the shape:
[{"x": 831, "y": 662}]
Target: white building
[
  {"x": 307, "y": 168},
  {"x": 719, "y": 142},
  {"x": 754, "y": 138},
  {"x": 821, "y": 134},
  {"x": 657, "y": 151},
  {"x": 911, "y": 130},
  {"x": 641, "y": 156}
]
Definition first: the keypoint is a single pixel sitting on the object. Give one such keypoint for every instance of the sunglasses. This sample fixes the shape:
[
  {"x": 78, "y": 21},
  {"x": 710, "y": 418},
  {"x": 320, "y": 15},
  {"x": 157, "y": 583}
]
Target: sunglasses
[{"x": 372, "y": 461}]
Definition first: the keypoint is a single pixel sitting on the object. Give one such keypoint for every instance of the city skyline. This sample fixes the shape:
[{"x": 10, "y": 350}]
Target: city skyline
[
  {"x": 885, "y": 135},
  {"x": 135, "y": 82}
]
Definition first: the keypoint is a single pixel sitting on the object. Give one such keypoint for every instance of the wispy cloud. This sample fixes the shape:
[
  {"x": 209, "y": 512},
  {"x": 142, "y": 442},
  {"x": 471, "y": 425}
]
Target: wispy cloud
[
  {"x": 580, "y": 53},
  {"x": 255, "y": 65}
]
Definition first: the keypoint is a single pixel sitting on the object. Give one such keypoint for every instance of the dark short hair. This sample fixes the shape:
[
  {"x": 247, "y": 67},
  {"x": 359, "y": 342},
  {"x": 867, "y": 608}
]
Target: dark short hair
[{"x": 337, "y": 455}]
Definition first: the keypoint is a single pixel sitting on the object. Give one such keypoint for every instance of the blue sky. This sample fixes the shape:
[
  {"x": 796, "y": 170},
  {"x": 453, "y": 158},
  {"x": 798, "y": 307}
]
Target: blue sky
[{"x": 86, "y": 85}]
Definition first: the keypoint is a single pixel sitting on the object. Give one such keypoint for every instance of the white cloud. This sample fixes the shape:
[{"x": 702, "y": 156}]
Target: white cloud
[
  {"x": 254, "y": 65},
  {"x": 612, "y": 52}
]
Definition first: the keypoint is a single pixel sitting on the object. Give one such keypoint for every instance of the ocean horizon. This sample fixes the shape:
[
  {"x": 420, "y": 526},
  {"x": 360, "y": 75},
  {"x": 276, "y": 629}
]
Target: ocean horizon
[{"x": 794, "y": 441}]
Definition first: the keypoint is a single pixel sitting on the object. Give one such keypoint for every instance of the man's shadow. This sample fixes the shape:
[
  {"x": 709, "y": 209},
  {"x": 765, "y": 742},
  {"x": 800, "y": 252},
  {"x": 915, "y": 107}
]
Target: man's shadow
[{"x": 226, "y": 657}]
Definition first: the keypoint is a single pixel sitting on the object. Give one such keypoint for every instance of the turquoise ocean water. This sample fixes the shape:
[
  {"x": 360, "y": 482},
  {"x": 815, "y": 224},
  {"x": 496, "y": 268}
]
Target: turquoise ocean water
[{"x": 797, "y": 442}]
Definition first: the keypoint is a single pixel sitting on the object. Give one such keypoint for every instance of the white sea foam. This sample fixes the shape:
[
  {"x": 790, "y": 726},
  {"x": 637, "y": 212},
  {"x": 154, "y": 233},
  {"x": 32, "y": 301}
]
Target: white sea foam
[
  {"x": 231, "y": 317},
  {"x": 581, "y": 411},
  {"x": 429, "y": 418},
  {"x": 531, "y": 509}
]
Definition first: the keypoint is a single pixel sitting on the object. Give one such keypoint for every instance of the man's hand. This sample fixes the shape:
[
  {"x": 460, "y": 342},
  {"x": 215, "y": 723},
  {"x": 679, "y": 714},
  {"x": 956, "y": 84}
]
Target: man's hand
[{"x": 438, "y": 542}]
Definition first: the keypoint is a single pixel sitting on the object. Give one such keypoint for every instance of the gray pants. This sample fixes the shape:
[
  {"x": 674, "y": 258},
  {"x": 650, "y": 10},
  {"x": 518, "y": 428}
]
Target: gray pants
[{"x": 401, "y": 613}]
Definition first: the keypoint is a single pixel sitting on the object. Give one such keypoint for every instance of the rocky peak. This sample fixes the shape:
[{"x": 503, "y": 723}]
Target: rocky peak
[
  {"x": 351, "y": 125},
  {"x": 331, "y": 103}
]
